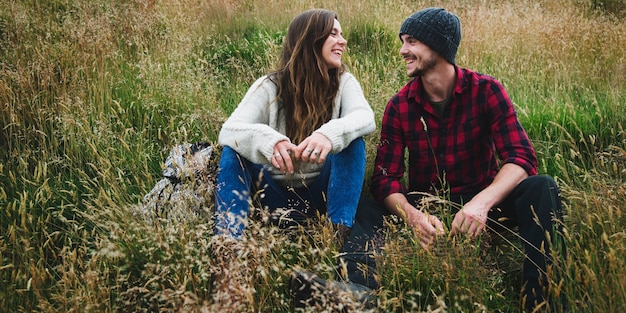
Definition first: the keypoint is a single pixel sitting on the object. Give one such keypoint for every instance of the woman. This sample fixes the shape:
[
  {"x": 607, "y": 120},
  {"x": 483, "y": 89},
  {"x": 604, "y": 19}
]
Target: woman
[{"x": 295, "y": 140}]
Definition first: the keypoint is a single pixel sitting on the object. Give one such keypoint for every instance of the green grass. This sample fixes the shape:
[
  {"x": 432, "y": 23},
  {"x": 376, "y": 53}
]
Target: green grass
[{"x": 93, "y": 94}]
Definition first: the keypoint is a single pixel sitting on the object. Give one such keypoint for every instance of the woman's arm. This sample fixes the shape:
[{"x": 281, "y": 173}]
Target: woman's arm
[
  {"x": 352, "y": 116},
  {"x": 251, "y": 128}
]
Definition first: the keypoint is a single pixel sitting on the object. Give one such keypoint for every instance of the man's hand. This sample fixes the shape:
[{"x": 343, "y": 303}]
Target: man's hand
[
  {"x": 425, "y": 226},
  {"x": 471, "y": 219}
]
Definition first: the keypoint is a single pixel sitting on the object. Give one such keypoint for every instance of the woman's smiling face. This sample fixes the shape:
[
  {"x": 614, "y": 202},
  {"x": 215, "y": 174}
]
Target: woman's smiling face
[{"x": 334, "y": 47}]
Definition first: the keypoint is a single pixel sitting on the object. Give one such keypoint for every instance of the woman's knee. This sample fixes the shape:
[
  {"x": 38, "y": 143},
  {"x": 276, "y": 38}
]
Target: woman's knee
[
  {"x": 352, "y": 156},
  {"x": 357, "y": 146},
  {"x": 228, "y": 157},
  {"x": 356, "y": 149}
]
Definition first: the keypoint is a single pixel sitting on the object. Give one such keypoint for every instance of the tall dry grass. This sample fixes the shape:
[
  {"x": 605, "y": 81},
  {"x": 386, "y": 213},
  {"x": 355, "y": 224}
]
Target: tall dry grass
[{"x": 93, "y": 94}]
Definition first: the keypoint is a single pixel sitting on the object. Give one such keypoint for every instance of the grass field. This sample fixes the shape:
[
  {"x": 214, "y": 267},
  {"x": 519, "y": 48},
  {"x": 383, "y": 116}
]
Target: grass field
[{"x": 95, "y": 93}]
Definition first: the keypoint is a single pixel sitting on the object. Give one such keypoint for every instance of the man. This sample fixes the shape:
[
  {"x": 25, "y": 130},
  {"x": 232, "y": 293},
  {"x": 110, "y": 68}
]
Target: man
[{"x": 464, "y": 141}]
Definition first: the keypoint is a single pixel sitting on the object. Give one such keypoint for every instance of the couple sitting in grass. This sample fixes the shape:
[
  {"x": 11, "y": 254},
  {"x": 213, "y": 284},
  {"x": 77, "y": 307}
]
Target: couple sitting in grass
[{"x": 294, "y": 147}]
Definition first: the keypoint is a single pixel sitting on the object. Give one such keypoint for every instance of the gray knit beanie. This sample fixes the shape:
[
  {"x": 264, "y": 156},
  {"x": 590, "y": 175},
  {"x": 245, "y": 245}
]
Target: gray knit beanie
[{"x": 437, "y": 28}]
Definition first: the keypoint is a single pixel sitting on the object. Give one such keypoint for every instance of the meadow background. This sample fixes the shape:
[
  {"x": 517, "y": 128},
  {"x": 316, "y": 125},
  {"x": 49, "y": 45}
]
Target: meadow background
[{"x": 95, "y": 93}]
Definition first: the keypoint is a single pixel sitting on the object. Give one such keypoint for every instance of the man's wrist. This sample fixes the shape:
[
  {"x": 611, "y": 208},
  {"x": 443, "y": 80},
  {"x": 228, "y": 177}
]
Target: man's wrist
[{"x": 411, "y": 214}]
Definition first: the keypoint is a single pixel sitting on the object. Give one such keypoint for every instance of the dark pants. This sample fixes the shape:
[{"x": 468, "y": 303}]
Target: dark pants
[
  {"x": 533, "y": 208},
  {"x": 364, "y": 241}
]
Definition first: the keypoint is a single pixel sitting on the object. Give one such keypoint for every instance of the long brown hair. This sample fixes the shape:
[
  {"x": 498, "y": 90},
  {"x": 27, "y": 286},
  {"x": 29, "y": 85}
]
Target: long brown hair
[{"x": 306, "y": 87}]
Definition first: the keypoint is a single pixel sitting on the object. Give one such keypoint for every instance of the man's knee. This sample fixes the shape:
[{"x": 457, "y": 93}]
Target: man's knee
[
  {"x": 540, "y": 183},
  {"x": 371, "y": 210},
  {"x": 542, "y": 194}
]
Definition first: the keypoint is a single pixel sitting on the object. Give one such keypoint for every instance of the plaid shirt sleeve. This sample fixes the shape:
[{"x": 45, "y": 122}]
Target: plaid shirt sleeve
[
  {"x": 483, "y": 133},
  {"x": 509, "y": 137},
  {"x": 389, "y": 164}
]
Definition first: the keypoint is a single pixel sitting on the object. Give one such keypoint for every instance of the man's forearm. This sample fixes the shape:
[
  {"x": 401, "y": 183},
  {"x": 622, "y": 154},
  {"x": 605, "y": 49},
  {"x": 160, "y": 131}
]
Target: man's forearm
[
  {"x": 509, "y": 176},
  {"x": 395, "y": 203}
]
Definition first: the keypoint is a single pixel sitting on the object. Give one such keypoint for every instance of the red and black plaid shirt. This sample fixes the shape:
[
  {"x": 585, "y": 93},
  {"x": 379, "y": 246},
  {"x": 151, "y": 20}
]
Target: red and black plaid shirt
[{"x": 460, "y": 150}]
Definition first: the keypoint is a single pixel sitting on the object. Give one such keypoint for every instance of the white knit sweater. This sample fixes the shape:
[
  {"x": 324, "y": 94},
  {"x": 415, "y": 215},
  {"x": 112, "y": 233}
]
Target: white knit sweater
[{"x": 256, "y": 125}]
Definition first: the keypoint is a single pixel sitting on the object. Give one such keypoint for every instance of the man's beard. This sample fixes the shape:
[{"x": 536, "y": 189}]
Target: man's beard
[{"x": 428, "y": 65}]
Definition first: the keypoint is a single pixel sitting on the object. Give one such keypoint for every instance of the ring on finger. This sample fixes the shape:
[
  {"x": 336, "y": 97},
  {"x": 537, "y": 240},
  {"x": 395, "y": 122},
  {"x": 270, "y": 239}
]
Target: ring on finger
[
  {"x": 308, "y": 150},
  {"x": 316, "y": 152},
  {"x": 276, "y": 154}
]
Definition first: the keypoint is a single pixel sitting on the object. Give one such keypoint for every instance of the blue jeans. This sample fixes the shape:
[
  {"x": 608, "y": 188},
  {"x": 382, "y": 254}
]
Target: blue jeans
[{"x": 335, "y": 192}]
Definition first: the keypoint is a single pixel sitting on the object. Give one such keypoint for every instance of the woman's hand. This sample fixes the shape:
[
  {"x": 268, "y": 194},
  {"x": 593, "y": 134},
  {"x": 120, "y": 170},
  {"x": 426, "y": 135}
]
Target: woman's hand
[
  {"x": 281, "y": 158},
  {"x": 313, "y": 149}
]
